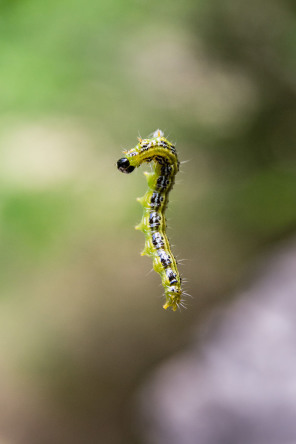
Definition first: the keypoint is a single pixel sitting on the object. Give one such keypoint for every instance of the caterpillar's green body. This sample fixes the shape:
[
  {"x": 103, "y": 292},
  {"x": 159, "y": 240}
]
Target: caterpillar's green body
[{"x": 153, "y": 224}]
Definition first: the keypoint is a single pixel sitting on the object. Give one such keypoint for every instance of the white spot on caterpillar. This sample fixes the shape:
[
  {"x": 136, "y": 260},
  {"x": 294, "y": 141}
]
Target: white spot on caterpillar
[{"x": 158, "y": 133}]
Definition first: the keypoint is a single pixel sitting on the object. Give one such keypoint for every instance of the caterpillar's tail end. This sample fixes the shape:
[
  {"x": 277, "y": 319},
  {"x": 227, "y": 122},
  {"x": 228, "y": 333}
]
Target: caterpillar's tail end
[
  {"x": 174, "y": 300},
  {"x": 170, "y": 305}
]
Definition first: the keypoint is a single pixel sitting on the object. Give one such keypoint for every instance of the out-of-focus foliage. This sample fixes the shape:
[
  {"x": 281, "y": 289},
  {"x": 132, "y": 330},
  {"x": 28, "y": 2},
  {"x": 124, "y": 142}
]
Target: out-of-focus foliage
[{"x": 81, "y": 318}]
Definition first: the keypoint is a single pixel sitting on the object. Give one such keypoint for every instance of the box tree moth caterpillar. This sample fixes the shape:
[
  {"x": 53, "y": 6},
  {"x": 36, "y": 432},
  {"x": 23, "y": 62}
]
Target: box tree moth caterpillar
[{"x": 163, "y": 157}]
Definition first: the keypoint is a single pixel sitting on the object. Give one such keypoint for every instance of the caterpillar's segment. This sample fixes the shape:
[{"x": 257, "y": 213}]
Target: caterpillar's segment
[{"x": 163, "y": 156}]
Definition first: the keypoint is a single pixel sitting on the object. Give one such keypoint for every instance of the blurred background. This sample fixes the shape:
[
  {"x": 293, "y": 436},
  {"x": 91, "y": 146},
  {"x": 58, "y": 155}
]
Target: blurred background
[{"x": 81, "y": 320}]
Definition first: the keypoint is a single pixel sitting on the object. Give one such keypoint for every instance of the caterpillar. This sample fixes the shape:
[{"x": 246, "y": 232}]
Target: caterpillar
[{"x": 163, "y": 156}]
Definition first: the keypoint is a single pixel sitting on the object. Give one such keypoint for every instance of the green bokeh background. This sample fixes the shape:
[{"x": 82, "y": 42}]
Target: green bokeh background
[{"x": 81, "y": 323}]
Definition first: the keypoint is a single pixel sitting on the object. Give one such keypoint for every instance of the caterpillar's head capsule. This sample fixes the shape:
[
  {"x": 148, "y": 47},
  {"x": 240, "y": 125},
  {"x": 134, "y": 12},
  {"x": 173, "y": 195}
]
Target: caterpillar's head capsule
[{"x": 124, "y": 166}]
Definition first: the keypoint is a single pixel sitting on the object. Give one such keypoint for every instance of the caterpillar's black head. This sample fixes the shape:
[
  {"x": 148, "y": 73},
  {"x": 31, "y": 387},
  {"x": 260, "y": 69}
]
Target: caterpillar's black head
[{"x": 124, "y": 166}]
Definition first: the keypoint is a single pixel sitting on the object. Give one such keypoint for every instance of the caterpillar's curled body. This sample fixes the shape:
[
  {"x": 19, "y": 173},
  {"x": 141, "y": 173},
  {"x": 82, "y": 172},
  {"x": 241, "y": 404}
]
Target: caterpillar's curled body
[{"x": 153, "y": 224}]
